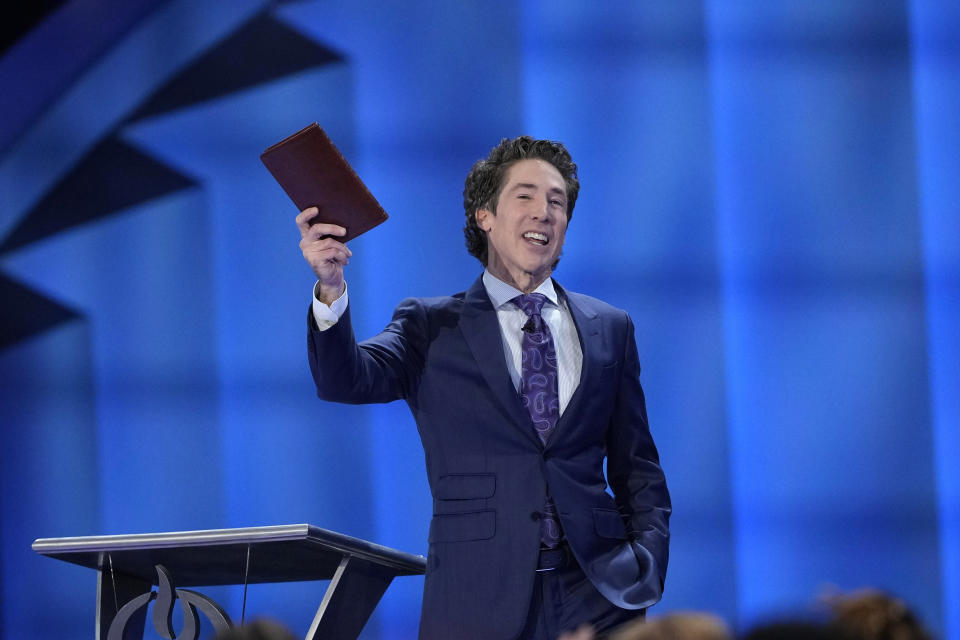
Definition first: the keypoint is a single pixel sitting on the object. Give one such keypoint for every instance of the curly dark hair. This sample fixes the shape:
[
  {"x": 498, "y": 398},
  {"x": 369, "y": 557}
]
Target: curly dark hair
[{"x": 485, "y": 180}]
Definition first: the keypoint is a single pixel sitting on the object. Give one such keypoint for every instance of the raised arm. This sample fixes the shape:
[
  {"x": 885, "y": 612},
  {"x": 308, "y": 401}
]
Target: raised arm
[{"x": 383, "y": 368}]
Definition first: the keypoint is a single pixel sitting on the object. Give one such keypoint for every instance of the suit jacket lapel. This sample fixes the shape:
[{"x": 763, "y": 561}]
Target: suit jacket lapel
[
  {"x": 588, "y": 328},
  {"x": 481, "y": 330}
]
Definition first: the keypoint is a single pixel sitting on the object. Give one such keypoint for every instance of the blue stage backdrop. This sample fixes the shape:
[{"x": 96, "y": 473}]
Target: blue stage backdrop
[{"x": 770, "y": 188}]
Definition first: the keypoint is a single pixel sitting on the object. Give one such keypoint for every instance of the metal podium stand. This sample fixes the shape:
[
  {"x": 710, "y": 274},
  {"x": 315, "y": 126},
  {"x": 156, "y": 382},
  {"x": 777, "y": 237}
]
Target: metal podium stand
[{"x": 129, "y": 566}]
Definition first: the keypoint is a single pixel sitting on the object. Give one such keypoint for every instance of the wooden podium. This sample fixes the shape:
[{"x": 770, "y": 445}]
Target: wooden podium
[{"x": 129, "y": 566}]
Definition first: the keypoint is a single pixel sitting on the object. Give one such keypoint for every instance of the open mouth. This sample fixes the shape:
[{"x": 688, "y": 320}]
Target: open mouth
[{"x": 535, "y": 238}]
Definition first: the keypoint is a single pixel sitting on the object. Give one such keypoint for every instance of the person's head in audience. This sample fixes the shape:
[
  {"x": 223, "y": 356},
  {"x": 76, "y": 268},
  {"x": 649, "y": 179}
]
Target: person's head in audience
[
  {"x": 258, "y": 630},
  {"x": 684, "y": 625},
  {"x": 796, "y": 630},
  {"x": 869, "y": 614}
]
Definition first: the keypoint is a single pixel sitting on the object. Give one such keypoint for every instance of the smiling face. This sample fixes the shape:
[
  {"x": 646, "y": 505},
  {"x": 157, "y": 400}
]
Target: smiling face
[{"x": 525, "y": 236}]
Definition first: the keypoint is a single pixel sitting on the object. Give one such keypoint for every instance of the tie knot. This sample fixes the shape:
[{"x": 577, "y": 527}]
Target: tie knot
[{"x": 531, "y": 303}]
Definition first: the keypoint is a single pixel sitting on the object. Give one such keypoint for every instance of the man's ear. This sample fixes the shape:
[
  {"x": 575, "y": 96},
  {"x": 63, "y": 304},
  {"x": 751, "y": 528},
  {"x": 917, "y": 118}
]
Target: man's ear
[{"x": 483, "y": 219}]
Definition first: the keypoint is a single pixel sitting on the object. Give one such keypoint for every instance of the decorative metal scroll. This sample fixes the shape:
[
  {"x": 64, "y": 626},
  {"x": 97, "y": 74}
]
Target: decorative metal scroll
[{"x": 165, "y": 595}]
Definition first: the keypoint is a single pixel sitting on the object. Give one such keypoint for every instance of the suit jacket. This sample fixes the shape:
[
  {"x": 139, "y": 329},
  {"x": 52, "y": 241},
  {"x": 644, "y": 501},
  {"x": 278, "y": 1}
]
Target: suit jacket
[{"x": 487, "y": 469}]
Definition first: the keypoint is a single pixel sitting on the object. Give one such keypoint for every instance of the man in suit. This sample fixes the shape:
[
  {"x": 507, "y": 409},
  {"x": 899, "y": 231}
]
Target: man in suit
[{"x": 520, "y": 389}]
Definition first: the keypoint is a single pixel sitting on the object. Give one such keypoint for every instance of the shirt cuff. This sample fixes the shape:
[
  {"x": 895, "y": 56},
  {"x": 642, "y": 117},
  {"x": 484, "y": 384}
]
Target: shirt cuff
[{"x": 327, "y": 315}]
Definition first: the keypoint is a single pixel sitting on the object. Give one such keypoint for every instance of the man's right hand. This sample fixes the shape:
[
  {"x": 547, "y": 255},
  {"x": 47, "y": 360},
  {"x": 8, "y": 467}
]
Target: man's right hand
[{"x": 326, "y": 255}]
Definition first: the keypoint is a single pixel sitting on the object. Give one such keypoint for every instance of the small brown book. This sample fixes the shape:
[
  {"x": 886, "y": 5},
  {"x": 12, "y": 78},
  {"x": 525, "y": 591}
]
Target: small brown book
[{"x": 314, "y": 173}]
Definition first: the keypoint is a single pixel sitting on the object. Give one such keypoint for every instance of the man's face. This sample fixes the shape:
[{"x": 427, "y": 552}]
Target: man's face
[{"x": 526, "y": 235}]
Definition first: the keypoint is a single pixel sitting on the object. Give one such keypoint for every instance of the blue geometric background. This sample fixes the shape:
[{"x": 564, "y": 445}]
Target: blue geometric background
[{"x": 769, "y": 188}]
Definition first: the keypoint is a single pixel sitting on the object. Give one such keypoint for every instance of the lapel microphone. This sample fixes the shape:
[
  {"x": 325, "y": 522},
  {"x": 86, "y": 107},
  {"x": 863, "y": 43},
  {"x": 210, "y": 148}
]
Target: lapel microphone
[{"x": 528, "y": 327}]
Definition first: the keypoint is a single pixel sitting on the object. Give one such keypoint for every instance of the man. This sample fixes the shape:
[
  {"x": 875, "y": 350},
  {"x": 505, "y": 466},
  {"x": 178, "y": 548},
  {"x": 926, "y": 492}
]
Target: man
[{"x": 519, "y": 390}]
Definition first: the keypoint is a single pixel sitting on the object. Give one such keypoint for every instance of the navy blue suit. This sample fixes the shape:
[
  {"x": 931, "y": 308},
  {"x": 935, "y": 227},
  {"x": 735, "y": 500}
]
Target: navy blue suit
[{"x": 489, "y": 472}]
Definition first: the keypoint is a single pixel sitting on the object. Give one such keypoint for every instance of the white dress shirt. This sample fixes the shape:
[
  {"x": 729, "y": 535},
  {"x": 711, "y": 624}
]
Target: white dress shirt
[
  {"x": 555, "y": 313},
  {"x": 566, "y": 340},
  {"x": 327, "y": 315}
]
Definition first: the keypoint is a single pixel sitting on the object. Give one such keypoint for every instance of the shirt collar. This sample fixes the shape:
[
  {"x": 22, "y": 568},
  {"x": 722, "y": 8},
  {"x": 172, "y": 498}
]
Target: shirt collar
[{"x": 501, "y": 293}]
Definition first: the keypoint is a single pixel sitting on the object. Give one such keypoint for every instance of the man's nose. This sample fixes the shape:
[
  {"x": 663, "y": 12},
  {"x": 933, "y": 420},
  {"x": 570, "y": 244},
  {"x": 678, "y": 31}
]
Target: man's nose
[{"x": 542, "y": 210}]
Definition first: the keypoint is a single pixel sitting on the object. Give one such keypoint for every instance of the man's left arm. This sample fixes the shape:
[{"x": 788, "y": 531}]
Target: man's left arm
[{"x": 634, "y": 472}]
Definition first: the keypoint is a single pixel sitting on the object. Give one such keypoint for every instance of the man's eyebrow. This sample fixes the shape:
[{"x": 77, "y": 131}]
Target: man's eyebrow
[{"x": 528, "y": 185}]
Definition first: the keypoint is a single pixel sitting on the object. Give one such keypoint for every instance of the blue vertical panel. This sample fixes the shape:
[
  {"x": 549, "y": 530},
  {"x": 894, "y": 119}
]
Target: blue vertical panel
[
  {"x": 48, "y": 472},
  {"x": 831, "y": 443},
  {"x": 626, "y": 87},
  {"x": 936, "y": 37}
]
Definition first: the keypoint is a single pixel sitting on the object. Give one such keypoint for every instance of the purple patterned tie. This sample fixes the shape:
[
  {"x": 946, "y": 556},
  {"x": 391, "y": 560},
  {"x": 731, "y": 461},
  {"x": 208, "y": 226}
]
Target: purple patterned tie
[{"x": 538, "y": 392}]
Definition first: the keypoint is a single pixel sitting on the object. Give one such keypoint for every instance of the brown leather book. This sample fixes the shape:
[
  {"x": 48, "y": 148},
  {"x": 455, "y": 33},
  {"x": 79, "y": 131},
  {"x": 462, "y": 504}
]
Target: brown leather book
[{"x": 314, "y": 173}]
